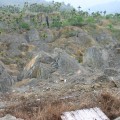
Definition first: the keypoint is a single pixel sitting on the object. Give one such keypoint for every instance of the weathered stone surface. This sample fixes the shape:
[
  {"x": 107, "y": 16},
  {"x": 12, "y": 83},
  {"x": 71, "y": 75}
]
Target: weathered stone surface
[
  {"x": 66, "y": 63},
  {"x": 49, "y": 37},
  {"x": 12, "y": 43},
  {"x": 44, "y": 64},
  {"x": 10, "y": 117},
  {"x": 93, "y": 58},
  {"x": 5, "y": 79},
  {"x": 102, "y": 78},
  {"x": 33, "y": 35},
  {"x": 114, "y": 56},
  {"x": 73, "y": 39},
  {"x": 110, "y": 72}
]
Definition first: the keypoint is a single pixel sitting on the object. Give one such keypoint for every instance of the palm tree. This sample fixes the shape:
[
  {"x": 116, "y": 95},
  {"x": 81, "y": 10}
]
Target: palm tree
[
  {"x": 79, "y": 8},
  {"x": 104, "y": 12}
]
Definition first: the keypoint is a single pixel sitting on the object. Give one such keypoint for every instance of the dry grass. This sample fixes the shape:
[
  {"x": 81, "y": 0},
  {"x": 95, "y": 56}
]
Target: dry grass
[
  {"x": 52, "y": 109},
  {"x": 110, "y": 104}
]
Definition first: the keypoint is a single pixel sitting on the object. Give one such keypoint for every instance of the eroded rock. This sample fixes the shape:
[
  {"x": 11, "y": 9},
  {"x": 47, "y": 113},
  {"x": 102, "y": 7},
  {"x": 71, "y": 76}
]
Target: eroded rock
[
  {"x": 6, "y": 81},
  {"x": 44, "y": 64},
  {"x": 93, "y": 58},
  {"x": 10, "y": 117}
]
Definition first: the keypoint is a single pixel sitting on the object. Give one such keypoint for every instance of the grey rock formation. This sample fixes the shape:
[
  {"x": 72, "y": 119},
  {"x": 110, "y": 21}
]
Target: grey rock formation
[
  {"x": 49, "y": 36},
  {"x": 84, "y": 39},
  {"x": 66, "y": 63},
  {"x": 44, "y": 64},
  {"x": 114, "y": 56},
  {"x": 10, "y": 117},
  {"x": 6, "y": 80},
  {"x": 93, "y": 58},
  {"x": 12, "y": 43},
  {"x": 110, "y": 72},
  {"x": 33, "y": 35}
]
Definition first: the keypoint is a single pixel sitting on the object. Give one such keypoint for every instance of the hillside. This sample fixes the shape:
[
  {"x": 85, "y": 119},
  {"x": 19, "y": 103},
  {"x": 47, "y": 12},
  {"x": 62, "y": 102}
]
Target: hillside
[{"x": 54, "y": 60}]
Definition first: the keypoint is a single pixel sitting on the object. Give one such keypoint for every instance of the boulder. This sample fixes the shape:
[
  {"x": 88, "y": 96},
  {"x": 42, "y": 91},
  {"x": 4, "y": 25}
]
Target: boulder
[
  {"x": 33, "y": 35},
  {"x": 47, "y": 36},
  {"x": 43, "y": 65},
  {"x": 38, "y": 67},
  {"x": 114, "y": 56},
  {"x": 93, "y": 58},
  {"x": 6, "y": 81},
  {"x": 10, "y": 117},
  {"x": 66, "y": 63},
  {"x": 12, "y": 43}
]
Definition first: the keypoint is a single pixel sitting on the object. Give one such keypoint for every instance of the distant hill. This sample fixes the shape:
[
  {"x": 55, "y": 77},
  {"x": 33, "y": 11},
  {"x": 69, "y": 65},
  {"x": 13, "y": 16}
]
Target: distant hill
[
  {"x": 20, "y": 2},
  {"x": 111, "y": 7}
]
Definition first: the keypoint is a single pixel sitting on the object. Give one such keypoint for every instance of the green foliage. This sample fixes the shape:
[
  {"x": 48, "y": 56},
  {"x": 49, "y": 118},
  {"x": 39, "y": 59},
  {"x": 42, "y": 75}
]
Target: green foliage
[
  {"x": 110, "y": 26},
  {"x": 43, "y": 36},
  {"x": 14, "y": 17},
  {"x": 90, "y": 19},
  {"x": 76, "y": 20},
  {"x": 56, "y": 22},
  {"x": 25, "y": 26}
]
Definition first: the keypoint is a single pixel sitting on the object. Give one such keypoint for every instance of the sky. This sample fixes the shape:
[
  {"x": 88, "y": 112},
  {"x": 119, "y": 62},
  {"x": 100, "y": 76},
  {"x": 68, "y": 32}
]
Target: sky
[{"x": 84, "y": 3}]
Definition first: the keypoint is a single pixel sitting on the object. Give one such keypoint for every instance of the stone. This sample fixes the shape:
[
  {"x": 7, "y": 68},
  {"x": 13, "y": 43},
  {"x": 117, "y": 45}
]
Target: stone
[
  {"x": 6, "y": 81},
  {"x": 43, "y": 65},
  {"x": 110, "y": 72},
  {"x": 49, "y": 36},
  {"x": 104, "y": 38},
  {"x": 33, "y": 35},
  {"x": 93, "y": 58},
  {"x": 9, "y": 117},
  {"x": 12, "y": 42},
  {"x": 102, "y": 78},
  {"x": 66, "y": 63}
]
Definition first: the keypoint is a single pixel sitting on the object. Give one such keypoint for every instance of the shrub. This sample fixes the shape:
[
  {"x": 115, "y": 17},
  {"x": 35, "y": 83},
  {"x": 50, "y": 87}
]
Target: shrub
[
  {"x": 76, "y": 20},
  {"x": 56, "y": 22},
  {"x": 90, "y": 20},
  {"x": 25, "y": 26}
]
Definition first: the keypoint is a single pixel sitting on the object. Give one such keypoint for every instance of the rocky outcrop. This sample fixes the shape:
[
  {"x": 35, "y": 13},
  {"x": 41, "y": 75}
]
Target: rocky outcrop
[
  {"x": 93, "y": 58},
  {"x": 114, "y": 56},
  {"x": 12, "y": 43},
  {"x": 6, "y": 81},
  {"x": 44, "y": 64},
  {"x": 73, "y": 40},
  {"x": 47, "y": 36},
  {"x": 33, "y": 35}
]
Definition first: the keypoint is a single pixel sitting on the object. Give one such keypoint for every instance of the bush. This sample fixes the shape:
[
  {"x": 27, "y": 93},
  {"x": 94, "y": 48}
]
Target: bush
[
  {"x": 90, "y": 20},
  {"x": 76, "y": 20},
  {"x": 56, "y": 22},
  {"x": 25, "y": 26}
]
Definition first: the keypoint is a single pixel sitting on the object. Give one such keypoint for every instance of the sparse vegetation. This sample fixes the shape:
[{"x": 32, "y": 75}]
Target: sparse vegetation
[
  {"x": 15, "y": 18},
  {"x": 30, "y": 109}
]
